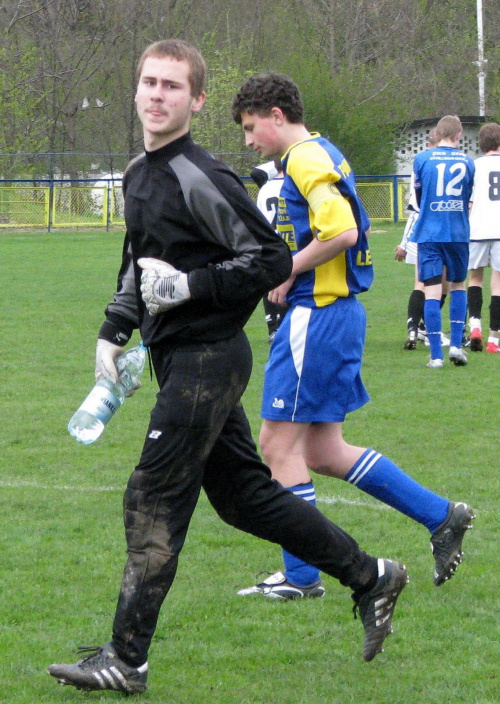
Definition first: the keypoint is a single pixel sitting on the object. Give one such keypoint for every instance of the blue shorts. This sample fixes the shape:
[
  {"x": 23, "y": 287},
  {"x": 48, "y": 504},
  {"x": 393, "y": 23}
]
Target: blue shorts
[
  {"x": 434, "y": 256},
  {"x": 314, "y": 369}
]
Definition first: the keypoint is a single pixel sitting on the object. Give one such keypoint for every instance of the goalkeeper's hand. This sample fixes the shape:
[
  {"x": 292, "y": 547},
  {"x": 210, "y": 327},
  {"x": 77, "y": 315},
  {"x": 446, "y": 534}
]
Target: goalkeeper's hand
[
  {"x": 162, "y": 285},
  {"x": 106, "y": 355}
]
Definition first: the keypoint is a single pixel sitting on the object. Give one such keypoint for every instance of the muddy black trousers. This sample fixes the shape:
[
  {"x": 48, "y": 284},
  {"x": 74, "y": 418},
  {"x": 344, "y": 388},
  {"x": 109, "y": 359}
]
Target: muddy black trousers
[{"x": 199, "y": 437}]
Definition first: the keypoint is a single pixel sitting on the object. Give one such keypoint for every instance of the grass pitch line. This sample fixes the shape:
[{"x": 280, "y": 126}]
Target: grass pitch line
[
  {"x": 63, "y": 487},
  {"x": 59, "y": 487},
  {"x": 352, "y": 502}
]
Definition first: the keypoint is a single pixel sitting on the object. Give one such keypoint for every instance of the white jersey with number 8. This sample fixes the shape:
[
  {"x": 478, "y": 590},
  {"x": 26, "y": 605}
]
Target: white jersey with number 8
[{"x": 485, "y": 212}]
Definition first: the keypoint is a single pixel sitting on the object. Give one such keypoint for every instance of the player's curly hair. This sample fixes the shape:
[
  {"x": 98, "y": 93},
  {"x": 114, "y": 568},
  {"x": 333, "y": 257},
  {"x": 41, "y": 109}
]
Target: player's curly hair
[{"x": 260, "y": 93}]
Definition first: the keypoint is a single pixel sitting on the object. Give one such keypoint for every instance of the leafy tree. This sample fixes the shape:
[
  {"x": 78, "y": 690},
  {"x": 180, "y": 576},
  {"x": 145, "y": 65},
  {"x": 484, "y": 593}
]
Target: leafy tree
[
  {"x": 365, "y": 69},
  {"x": 214, "y": 127},
  {"x": 23, "y": 125}
]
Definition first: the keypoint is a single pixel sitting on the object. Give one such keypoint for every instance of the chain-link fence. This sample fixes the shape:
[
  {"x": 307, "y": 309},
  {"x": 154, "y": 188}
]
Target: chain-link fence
[
  {"x": 53, "y": 204},
  {"x": 50, "y": 204},
  {"x": 378, "y": 199},
  {"x": 24, "y": 205},
  {"x": 64, "y": 165},
  {"x": 83, "y": 206},
  {"x": 384, "y": 197}
]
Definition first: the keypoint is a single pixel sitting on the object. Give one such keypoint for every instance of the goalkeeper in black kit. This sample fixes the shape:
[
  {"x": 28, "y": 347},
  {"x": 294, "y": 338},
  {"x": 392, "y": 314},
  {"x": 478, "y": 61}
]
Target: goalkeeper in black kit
[{"x": 198, "y": 257}]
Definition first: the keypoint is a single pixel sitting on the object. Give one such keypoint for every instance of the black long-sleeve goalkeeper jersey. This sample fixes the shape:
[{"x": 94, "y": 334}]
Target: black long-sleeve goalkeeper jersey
[{"x": 186, "y": 208}]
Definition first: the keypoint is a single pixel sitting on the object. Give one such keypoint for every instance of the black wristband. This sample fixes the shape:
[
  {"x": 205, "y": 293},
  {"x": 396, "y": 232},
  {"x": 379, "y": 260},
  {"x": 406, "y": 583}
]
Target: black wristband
[{"x": 112, "y": 333}]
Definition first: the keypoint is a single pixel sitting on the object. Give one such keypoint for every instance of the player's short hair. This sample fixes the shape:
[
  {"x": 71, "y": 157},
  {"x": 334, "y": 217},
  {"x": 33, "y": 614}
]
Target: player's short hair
[
  {"x": 448, "y": 127},
  {"x": 265, "y": 91},
  {"x": 489, "y": 137},
  {"x": 432, "y": 138},
  {"x": 181, "y": 51}
]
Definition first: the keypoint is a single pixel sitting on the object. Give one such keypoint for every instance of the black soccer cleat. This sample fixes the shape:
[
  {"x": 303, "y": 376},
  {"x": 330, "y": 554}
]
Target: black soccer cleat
[
  {"x": 411, "y": 340},
  {"x": 102, "y": 669},
  {"x": 376, "y": 607},
  {"x": 446, "y": 541}
]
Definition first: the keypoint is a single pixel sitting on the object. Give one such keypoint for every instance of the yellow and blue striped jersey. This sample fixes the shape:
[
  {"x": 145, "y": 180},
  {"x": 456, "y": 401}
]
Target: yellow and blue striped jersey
[{"x": 319, "y": 200}]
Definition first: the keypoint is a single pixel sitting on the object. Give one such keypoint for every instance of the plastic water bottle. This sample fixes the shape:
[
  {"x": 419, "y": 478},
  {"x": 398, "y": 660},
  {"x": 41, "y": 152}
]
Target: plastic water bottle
[{"x": 89, "y": 421}]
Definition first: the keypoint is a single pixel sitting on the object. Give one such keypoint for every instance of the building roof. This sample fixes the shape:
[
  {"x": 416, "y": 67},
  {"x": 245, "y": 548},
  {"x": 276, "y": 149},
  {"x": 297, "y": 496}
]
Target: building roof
[
  {"x": 464, "y": 119},
  {"x": 413, "y": 139}
]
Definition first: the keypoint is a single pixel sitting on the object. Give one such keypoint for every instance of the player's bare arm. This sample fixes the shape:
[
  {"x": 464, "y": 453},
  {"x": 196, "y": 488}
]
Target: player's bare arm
[
  {"x": 316, "y": 253},
  {"x": 319, "y": 252}
]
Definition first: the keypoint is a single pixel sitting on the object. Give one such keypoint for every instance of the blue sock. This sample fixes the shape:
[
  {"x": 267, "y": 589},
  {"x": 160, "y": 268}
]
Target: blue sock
[
  {"x": 297, "y": 571},
  {"x": 458, "y": 311},
  {"x": 378, "y": 476},
  {"x": 432, "y": 318}
]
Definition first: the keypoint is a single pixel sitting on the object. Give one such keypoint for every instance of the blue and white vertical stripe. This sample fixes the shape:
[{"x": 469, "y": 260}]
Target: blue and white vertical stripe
[
  {"x": 364, "y": 465},
  {"x": 299, "y": 325}
]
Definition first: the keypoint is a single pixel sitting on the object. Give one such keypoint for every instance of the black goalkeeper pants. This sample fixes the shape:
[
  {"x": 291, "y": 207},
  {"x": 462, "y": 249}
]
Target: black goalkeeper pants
[{"x": 199, "y": 436}]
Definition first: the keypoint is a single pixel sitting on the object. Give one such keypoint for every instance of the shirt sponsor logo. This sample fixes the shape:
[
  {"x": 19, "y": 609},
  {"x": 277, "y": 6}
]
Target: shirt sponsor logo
[
  {"x": 364, "y": 258},
  {"x": 440, "y": 206},
  {"x": 278, "y": 403}
]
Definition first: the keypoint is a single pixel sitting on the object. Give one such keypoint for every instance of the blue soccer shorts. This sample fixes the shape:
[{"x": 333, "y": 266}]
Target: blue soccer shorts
[
  {"x": 434, "y": 256},
  {"x": 314, "y": 370}
]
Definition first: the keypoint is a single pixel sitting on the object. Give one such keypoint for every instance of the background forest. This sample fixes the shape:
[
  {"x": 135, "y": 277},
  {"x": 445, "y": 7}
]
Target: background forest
[{"x": 365, "y": 68}]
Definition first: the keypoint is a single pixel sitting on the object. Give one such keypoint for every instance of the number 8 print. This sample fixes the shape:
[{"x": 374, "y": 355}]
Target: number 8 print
[{"x": 494, "y": 189}]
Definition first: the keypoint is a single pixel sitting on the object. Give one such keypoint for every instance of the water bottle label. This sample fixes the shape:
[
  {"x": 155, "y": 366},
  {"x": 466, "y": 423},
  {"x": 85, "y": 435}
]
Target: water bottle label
[{"x": 101, "y": 403}]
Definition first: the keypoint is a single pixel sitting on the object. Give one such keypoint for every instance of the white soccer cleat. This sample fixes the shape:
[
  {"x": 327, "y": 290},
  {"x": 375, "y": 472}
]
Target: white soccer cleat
[
  {"x": 434, "y": 364},
  {"x": 458, "y": 356},
  {"x": 278, "y": 587}
]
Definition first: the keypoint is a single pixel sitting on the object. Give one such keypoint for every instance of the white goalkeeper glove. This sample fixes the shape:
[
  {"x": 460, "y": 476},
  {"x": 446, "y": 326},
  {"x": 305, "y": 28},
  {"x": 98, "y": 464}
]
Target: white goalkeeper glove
[
  {"x": 162, "y": 285},
  {"x": 106, "y": 355}
]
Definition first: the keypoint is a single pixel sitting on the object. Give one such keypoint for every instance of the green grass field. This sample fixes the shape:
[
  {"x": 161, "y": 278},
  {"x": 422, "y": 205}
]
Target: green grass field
[{"x": 62, "y": 548}]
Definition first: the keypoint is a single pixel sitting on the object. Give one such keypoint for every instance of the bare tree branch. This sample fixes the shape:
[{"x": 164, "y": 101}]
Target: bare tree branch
[{"x": 17, "y": 18}]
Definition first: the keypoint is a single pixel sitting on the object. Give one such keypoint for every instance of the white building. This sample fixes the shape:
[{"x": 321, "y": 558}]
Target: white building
[
  {"x": 112, "y": 184},
  {"x": 413, "y": 139}
]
